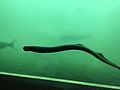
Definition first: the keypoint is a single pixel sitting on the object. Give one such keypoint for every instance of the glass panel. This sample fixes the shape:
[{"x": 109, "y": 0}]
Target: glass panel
[{"x": 49, "y": 23}]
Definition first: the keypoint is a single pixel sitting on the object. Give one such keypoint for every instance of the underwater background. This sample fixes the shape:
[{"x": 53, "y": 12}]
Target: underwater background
[{"x": 93, "y": 23}]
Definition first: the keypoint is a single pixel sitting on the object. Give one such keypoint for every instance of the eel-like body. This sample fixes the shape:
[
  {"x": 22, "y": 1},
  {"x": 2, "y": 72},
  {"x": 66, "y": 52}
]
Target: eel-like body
[{"x": 40, "y": 49}]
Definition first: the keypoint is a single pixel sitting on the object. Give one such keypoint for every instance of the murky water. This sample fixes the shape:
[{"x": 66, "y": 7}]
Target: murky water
[{"x": 93, "y": 23}]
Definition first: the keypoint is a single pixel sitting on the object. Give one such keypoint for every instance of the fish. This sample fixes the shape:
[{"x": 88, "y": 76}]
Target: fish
[
  {"x": 7, "y": 44},
  {"x": 74, "y": 37},
  {"x": 41, "y": 49}
]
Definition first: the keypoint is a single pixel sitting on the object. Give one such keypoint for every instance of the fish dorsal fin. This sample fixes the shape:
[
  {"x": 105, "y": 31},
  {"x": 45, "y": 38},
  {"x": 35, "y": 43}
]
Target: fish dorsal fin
[
  {"x": 80, "y": 44},
  {"x": 101, "y": 55}
]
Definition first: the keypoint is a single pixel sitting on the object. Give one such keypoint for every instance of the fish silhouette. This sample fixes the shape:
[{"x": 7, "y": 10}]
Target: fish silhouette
[
  {"x": 7, "y": 44},
  {"x": 75, "y": 37}
]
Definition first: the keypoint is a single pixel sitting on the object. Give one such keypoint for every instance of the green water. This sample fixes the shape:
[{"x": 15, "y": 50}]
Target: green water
[{"x": 94, "y": 23}]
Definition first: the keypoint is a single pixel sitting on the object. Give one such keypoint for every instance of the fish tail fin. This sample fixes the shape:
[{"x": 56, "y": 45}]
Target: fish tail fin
[{"x": 12, "y": 44}]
